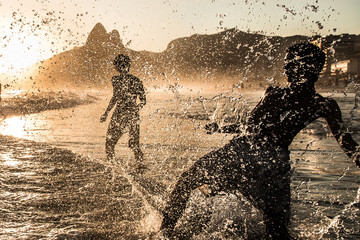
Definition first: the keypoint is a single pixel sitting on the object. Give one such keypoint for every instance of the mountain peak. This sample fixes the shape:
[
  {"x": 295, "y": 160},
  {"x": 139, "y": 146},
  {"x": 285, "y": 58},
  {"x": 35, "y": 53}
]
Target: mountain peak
[
  {"x": 99, "y": 27},
  {"x": 97, "y": 35},
  {"x": 98, "y": 38}
]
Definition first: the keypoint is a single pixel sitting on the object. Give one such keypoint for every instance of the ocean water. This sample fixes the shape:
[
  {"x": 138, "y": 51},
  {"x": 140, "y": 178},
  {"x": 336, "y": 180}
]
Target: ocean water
[{"x": 325, "y": 183}]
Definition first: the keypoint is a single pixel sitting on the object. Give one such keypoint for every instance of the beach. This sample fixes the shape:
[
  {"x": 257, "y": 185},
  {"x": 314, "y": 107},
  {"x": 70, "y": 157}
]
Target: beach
[
  {"x": 56, "y": 182},
  {"x": 52, "y": 193}
]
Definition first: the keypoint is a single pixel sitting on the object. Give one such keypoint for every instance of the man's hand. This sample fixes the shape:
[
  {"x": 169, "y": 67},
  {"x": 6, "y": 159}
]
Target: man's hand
[
  {"x": 103, "y": 118},
  {"x": 211, "y": 128},
  {"x": 356, "y": 158}
]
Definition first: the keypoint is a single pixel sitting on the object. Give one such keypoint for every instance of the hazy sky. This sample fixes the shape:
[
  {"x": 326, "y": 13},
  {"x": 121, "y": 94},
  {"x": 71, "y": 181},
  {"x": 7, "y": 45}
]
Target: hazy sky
[{"x": 39, "y": 29}]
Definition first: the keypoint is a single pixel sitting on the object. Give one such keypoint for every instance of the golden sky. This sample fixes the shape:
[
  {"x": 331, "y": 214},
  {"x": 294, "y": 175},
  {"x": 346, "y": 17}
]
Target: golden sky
[{"x": 34, "y": 30}]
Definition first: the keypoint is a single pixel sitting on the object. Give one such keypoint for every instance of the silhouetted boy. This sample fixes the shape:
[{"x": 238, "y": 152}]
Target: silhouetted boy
[
  {"x": 126, "y": 90},
  {"x": 257, "y": 161}
]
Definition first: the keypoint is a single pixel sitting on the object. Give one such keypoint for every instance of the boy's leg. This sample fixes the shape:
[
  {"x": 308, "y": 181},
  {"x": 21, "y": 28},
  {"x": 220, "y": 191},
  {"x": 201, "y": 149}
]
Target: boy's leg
[
  {"x": 114, "y": 132},
  {"x": 134, "y": 140},
  {"x": 112, "y": 137}
]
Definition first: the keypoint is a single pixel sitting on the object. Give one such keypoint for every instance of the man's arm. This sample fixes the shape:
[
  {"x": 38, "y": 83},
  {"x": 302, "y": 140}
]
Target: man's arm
[
  {"x": 337, "y": 128},
  {"x": 214, "y": 127}
]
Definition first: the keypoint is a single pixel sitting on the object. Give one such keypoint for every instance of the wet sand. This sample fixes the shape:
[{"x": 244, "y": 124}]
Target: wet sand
[{"x": 51, "y": 193}]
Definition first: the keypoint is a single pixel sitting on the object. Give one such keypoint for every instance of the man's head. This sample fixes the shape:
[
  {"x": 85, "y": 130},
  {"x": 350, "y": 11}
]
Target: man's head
[
  {"x": 303, "y": 60},
  {"x": 122, "y": 63}
]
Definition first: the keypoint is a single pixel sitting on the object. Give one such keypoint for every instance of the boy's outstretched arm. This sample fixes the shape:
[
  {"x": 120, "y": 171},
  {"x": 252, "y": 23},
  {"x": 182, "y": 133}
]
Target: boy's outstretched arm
[{"x": 337, "y": 128}]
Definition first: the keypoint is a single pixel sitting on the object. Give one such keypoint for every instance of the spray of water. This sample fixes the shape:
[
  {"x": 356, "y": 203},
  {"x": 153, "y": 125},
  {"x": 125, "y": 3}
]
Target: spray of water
[{"x": 152, "y": 220}]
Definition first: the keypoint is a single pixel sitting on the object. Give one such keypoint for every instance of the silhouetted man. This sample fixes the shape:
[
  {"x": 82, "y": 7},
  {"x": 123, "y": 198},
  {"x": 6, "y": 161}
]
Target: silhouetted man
[
  {"x": 257, "y": 161},
  {"x": 126, "y": 91}
]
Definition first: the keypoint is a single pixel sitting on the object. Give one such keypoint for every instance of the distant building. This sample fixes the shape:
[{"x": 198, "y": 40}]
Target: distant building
[
  {"x": 354, "y": 64},
  {"x": 340, "y": 66},
  {"x": 343, "y": 54}
]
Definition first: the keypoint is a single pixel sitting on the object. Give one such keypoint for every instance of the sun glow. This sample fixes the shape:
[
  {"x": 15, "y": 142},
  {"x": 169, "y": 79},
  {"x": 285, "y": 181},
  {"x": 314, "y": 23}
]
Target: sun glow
[
  {"x": 14, "y": 126},
  {"x": 21, "y": 49}
]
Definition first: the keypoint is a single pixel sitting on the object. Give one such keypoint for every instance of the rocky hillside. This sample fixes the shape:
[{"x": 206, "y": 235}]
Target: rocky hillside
[
  {"x": 231, "y": 57},
  {"x": 87, "y": 65}
]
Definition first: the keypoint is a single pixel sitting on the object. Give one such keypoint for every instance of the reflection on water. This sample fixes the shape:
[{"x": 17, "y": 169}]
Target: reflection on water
[
  {"x": 8, "y": 160},
  {"x": 12, "y": 163}
]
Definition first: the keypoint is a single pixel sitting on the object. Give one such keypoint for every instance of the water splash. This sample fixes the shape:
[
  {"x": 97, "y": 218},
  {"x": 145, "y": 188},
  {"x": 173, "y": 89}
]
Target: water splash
[
  {"x": 152, "y": 220},
  {"x": 336, "y": 225}
]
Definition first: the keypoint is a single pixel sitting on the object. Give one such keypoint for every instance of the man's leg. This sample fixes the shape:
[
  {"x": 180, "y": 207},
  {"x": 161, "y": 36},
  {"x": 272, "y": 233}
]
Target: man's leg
[
  {"x": 176, "y": 205},
  {"x": 215, "y": 169},
  {"x": 276, "y": 207}
]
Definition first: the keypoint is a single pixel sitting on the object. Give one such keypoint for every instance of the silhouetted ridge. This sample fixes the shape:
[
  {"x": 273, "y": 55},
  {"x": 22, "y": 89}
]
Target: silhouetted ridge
[{"x": 231, "y": 57}]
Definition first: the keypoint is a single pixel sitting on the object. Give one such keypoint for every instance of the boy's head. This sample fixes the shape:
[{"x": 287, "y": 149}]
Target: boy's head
[
  {"x": 303, "y": 60},
  {"x": 122, "y": 63}
]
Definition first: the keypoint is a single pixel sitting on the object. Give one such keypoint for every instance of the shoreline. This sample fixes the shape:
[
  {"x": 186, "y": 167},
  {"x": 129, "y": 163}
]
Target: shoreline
[
  {"x": 33, "y": 102},
  {"x": 59, "y": 194}
]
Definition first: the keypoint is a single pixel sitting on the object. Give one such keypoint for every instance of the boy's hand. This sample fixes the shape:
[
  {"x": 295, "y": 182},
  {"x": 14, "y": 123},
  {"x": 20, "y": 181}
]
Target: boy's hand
[
  {"x": 141, "y": 105},
  {"x": 103, "y": 118},
  {"x": 211, "y": 128}
]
